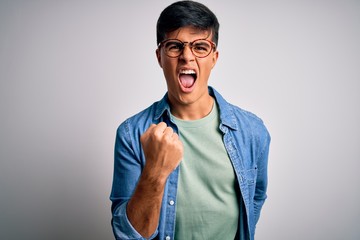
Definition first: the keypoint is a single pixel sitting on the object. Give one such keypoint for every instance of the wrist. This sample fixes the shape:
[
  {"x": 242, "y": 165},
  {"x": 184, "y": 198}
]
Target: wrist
[{"x": 153, "y": 180}]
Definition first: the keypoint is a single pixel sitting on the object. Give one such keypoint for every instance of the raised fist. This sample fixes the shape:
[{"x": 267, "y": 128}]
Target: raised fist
[{"x": 163, "y": 150}]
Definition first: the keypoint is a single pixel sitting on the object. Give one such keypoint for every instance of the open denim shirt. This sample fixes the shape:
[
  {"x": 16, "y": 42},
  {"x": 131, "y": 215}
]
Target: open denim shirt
[{"x": 246, "y": 140}]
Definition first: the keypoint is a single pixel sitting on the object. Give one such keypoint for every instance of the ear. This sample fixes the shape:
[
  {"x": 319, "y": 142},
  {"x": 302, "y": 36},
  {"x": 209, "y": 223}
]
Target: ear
[
  {"x": 158, "y": 56},
  {"x": 214, "y": 58}
]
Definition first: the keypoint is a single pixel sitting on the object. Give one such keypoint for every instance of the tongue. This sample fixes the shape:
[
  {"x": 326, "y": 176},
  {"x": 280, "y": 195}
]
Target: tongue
[{"x": 187, "y": 80}]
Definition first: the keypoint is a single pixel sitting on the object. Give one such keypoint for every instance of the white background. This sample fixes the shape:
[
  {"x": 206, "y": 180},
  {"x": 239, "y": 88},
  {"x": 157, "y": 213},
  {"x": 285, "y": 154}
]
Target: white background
[{"x": 72, "y": 71}]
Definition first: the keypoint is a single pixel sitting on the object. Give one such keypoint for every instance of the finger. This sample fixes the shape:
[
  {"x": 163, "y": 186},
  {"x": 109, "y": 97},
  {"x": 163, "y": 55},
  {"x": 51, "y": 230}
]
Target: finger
[
  {"x": 159, "y": 129},
  {"x": 150, "y": 128},
  {"x": 168, "y": 131},
  {"x": 175, "y": 136}
]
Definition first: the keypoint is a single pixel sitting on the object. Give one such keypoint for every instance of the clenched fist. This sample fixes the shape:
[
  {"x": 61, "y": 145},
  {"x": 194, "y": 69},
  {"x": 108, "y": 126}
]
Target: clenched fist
[{"x": 163, "y": 150}]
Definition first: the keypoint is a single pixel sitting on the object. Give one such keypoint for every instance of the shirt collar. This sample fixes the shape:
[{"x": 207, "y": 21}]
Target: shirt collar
[
  {"x": 227, "y": 116},
  {"x": 162, "y": 107}
]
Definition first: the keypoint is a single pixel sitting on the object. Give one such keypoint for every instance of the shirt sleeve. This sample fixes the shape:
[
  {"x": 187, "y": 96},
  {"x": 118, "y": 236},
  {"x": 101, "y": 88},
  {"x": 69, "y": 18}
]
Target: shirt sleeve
[{"x": 127, "y": 170}]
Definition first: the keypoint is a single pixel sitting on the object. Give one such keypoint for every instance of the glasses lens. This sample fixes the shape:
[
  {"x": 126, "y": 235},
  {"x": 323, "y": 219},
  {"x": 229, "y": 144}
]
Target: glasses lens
[
  {"x": 201, "y": 48},
  {"x": 173, "y": 48}
]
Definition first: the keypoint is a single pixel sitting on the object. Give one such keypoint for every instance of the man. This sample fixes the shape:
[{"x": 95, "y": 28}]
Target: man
[{"x": 191, "y": 166}]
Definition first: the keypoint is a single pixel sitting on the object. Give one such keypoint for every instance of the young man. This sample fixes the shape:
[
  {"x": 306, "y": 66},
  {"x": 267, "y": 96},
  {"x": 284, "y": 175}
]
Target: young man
[{"x": 191, "y": 166}]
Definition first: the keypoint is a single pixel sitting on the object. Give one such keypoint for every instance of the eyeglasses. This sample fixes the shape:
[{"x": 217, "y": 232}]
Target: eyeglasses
[{"x": 200, "y": 48}]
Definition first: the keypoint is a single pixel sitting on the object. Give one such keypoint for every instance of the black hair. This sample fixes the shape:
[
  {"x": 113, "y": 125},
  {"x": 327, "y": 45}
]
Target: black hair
[{"x": 186, "y": 13}]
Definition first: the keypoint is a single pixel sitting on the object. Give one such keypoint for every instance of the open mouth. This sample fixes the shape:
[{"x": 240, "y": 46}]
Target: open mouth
[{"x": 187, "y": 78}]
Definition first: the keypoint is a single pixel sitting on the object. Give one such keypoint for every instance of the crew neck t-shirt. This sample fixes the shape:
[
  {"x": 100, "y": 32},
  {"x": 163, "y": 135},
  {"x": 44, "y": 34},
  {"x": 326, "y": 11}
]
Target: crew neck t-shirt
[{"x": 207, "y": 204}]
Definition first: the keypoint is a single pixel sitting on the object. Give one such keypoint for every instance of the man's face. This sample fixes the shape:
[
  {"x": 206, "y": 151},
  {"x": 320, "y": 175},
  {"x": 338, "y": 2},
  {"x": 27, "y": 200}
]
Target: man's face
[{"x": 187, "y": 76}]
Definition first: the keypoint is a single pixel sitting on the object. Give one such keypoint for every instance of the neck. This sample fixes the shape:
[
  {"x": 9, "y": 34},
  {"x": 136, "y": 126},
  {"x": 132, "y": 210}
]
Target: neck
[{"x": 193, "y": 111}]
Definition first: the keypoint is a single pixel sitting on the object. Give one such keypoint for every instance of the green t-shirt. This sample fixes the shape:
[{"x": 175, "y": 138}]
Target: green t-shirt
[{"x": 207, "y": 204}]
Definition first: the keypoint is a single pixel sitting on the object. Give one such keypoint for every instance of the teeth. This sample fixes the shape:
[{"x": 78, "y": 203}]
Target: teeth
[{"x": 187, "y": 72}]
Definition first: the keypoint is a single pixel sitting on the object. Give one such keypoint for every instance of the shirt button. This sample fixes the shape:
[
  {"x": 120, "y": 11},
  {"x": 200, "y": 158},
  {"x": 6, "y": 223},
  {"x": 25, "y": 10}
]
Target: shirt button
[
  {"x": 171, "y": 203},
  {"x": 167, "y": 238}
]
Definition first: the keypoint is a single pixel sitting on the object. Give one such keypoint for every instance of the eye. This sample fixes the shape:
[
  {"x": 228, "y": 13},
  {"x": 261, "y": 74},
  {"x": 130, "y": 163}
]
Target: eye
[
  {"x": 173, "y": 46},
  {"x": 201, "y": 47}
]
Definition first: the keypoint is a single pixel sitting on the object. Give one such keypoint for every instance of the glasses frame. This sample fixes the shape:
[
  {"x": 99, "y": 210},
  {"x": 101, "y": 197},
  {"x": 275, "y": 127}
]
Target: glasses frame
[{"x": 213, "y": 46}]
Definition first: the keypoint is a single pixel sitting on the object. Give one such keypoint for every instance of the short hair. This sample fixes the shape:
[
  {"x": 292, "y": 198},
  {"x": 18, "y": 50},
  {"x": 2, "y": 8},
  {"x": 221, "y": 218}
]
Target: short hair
[{"x": 186, "y": 13}]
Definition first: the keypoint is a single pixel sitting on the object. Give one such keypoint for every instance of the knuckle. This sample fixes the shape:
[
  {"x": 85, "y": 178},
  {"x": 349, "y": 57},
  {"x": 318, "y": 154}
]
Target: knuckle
[
  {"x": 157, "y": 134},
  {"x": 162, "y": 125}
]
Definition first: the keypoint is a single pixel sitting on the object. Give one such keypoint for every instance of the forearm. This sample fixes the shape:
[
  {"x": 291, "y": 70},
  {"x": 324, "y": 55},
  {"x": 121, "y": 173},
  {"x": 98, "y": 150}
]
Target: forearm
[{"x": 143, "y": 209}]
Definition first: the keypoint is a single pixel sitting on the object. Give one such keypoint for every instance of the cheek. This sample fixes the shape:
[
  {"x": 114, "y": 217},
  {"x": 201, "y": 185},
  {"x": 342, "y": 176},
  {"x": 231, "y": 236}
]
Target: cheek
[
  {"x": 205, "y": 68},
  {"x": 169, "y": 71},
  {"x": 168, "y": 66}
]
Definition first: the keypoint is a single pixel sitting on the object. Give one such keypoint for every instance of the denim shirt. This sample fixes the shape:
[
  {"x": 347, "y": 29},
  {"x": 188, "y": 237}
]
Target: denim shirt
[{"x": 246, "y": 140}]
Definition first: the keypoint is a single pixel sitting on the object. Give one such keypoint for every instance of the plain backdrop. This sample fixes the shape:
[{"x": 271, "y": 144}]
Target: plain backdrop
[{"x": 72, "y": 71}]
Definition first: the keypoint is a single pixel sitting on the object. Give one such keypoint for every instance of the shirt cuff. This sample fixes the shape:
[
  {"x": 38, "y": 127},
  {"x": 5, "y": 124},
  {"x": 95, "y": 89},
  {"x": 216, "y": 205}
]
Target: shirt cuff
[{"x": 122, "y": 227}]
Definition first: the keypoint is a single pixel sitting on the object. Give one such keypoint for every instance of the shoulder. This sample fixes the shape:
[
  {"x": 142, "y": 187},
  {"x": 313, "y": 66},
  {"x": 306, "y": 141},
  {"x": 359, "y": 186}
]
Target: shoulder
[
  {"x": 252, "y": 124},
  {"x": 242, "y": 121},
  {"x": 246, "y": 117}
]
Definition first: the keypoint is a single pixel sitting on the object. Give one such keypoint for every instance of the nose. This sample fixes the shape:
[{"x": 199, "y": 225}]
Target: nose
[{"x": 187, "y": 54}]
